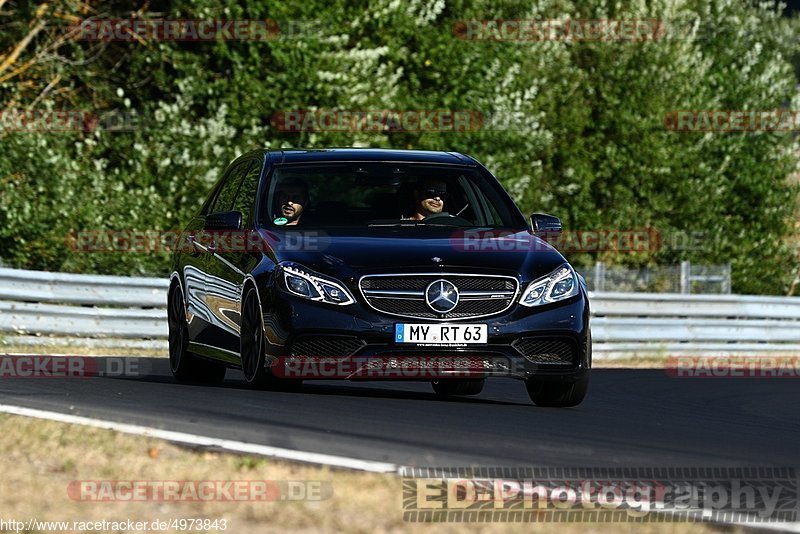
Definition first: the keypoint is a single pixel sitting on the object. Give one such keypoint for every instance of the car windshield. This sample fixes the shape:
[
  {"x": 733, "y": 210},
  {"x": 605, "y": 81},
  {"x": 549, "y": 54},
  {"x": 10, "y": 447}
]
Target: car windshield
[{"x": 385, "y": 195}]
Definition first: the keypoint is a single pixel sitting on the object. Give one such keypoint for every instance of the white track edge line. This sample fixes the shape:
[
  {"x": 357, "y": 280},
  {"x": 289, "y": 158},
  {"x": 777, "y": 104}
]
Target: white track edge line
[{"x": 205, "y": 441}]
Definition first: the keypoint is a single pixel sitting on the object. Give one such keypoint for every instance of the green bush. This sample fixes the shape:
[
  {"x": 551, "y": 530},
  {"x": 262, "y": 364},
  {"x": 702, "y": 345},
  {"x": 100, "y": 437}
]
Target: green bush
[{"x": 589, "y": 142}]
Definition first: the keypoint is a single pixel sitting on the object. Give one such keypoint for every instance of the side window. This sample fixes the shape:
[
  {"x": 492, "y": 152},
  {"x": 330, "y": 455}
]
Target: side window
[
  {"x": 246, "y": 196},
  {"x": 230, "y": 185}
]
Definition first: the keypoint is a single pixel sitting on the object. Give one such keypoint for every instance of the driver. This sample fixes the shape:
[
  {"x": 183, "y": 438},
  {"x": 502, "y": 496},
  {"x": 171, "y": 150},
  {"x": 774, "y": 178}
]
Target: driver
[
  {"x": 429, "y": 197},
  {"x": 291, "y": 197}
]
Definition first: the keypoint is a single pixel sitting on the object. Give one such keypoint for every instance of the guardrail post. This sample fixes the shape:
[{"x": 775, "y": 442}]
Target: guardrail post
[
  {"x": 726, "y": 282},
  {"x": 599, "y": 276},
  {"x": 686, "y": 270}
]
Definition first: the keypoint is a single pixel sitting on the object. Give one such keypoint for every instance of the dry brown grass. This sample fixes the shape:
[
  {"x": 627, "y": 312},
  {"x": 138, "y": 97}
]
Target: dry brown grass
[
  {"x": 9, "y": 347},
  {"x": 40, "y": 459}
]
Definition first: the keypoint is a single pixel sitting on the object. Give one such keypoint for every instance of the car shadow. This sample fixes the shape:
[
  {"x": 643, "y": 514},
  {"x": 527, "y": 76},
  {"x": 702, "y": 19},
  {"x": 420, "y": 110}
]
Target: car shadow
[{"x": 156, "y": 370}]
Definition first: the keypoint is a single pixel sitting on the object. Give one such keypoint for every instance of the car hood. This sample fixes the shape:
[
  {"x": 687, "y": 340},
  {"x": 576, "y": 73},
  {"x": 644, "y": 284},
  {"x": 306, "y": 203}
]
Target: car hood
[{"x": 352, "y": 252}]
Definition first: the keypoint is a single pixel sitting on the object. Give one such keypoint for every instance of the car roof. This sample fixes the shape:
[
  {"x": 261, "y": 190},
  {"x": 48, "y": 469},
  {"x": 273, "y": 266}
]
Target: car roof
[{"x": 296, "y": 155}]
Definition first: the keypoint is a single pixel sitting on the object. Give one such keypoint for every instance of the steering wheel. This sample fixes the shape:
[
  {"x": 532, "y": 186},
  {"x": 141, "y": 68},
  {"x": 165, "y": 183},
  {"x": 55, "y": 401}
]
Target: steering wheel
[{"x": 446, "y": 218}]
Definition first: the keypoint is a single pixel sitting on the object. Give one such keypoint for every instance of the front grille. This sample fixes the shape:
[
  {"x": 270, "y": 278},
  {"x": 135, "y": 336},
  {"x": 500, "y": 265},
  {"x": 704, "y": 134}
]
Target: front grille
[
  {"x": 326, "y": 346},
  {"x": 546, "y": 351},
  {"x": 404, "y": 295},
  {"x": 420, "y": 282}
]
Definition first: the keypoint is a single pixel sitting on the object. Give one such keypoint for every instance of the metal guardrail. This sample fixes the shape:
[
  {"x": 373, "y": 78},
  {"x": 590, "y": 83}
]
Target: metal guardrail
[
  {"x": 107, "y": 307},
  {"x": 37, "y": 302},
  {"x": 675, "y": 324},
  {"x": 41, "y": 286}
]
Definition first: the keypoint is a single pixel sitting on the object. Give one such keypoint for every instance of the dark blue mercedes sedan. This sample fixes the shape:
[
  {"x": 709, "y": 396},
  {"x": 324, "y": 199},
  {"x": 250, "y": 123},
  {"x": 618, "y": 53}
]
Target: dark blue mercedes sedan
[{"x": 371, "y": 264}]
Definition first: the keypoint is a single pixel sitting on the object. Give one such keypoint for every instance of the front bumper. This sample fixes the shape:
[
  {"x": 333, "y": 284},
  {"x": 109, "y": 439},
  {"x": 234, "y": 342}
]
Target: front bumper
[{"x": 310, "y": 340}]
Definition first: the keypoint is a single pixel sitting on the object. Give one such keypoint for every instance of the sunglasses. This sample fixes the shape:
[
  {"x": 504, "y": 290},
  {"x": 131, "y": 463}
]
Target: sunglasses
[
  {"x": 433, "y": 193},
  {"x": 283, "y": 197}
]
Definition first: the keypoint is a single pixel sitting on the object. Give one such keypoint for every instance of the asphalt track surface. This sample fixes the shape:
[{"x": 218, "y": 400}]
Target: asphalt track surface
[{"x": 631, "y": 418}]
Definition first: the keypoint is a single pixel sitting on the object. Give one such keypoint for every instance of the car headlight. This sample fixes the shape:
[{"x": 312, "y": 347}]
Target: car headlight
[
  {"x": 305, "y": 283},
  {"x": 559, "y": 285}
]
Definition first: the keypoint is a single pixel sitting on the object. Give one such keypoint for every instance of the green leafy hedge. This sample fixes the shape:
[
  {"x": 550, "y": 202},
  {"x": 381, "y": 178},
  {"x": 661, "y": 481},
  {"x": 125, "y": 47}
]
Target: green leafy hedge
[{"x": 589, "y": 143}]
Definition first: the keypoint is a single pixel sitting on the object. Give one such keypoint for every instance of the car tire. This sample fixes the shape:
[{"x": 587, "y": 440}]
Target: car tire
[
  {"x": 185, "y": 365},
  {"x": 557, "y": 394},
  {"x": 448, "y": 388},
  {"x": 253, "y": 348}
]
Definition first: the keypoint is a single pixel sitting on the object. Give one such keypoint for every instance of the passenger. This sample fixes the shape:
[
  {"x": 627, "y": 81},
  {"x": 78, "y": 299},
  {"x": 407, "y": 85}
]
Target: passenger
[{"x": 291, "y": 197}]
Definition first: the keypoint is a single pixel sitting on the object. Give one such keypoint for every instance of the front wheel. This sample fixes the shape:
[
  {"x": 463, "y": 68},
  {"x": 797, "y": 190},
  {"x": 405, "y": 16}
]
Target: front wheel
[
  {"x": 253, "y": 348},
  {"x": 185, "y": 365}
]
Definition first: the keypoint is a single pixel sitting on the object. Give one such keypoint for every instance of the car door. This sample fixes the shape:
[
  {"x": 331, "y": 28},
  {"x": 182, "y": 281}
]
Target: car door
[
  {"x": 246, "y": 253},
  {"x": 215, "y": 318},
  {"x": 227, "y": 263},
  {"x": 193, "y": 260}
]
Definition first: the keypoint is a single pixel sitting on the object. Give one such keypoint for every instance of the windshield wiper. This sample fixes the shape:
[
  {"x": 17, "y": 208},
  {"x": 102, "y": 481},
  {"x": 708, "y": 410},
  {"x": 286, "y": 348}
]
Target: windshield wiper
[
  {"x": 411, "y": 223},
  {"x": 404, "y": 223}
]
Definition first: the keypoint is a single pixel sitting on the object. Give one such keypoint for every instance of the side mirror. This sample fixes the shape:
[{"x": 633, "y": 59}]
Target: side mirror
[
  {"x": 224, "y": 220},
  {"x": 542, "y": 223}
]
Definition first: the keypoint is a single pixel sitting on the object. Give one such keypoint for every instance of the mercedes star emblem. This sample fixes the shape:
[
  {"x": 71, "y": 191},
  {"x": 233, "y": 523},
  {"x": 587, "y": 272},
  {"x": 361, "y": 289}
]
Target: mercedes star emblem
[{"x": 441, "y": 296}]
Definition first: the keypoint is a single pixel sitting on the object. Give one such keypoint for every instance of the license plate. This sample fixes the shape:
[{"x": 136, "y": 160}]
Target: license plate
[{"x": 440, "y": 334}]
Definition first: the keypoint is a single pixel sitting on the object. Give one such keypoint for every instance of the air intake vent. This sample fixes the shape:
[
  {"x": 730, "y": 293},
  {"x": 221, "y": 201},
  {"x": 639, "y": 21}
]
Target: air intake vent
[
  {"x": 546, "y": 351},
  {"x": 326, "y": 346}
]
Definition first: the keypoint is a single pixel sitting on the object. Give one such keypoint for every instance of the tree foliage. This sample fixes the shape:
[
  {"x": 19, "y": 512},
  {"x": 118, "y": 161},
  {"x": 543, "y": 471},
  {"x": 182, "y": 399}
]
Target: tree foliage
[{"x": 584, "y": 137}]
